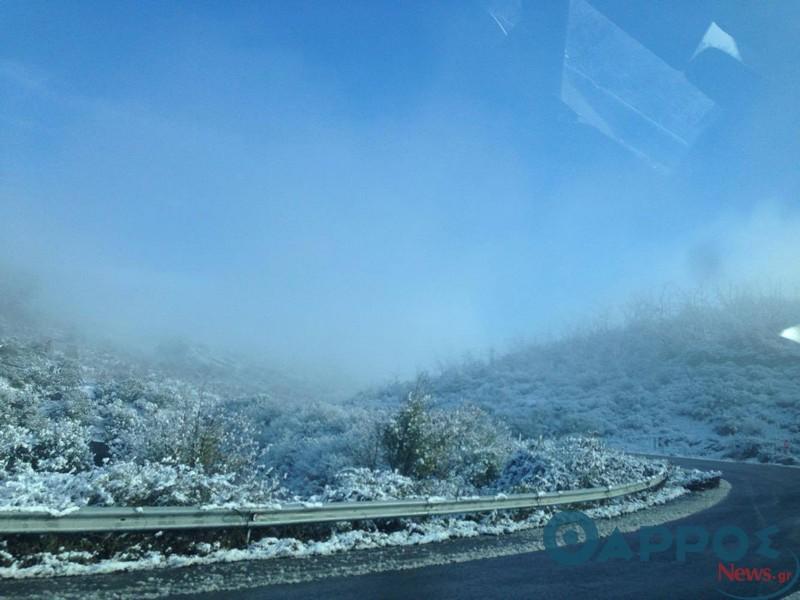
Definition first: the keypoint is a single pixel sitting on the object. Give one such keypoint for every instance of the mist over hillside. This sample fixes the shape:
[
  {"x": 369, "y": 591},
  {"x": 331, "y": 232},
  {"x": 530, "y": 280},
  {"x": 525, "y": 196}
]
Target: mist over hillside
[
  {"x": 32, "y": 317},
  {"x": 86, "y": 421},
  {"x": 701, "y": 373}
]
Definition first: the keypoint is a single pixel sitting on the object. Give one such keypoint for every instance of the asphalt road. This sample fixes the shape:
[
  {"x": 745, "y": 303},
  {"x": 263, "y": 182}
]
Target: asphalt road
[{"x": 761, "y": 496}]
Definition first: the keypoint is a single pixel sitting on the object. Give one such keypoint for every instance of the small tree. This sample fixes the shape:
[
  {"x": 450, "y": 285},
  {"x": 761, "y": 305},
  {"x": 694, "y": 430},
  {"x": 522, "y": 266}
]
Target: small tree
[{"x": 413, "y": 444}]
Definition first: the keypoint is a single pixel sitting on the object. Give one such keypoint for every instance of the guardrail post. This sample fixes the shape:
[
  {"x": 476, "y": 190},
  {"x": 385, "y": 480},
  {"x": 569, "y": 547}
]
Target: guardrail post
[{"x": 250, "y": 518}]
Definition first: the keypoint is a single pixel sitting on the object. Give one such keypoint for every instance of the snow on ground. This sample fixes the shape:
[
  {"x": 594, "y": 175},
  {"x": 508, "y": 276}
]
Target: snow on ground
[
  {"x": 435, "y": 529},
  {"x": 544, "y": 466}
]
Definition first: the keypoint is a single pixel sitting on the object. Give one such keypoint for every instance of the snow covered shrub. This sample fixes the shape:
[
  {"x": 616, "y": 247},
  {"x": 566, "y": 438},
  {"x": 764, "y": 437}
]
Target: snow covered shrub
[
  {"x": 132, "y": 484},
  {"x": 61, "y": 446},
  {"x": 577, "y": 424},
  {"x": 121, "y": 425},
  {"x": 29, "y": 489},
  {"x": 360, "y": 484},
  {"x": 72, "y": 404},
  {"x": 693, "y": 479},
  {"x": 43, "y": 412},
  {"x": 412, "y": 440},
  {"x": 363, "y": 441},
  {"x": 193, "y": 432},
  {"x": 750, "y": 428},
  {"x": 464, "y": 445},
  {"x": 56, "y": 446},
  {"x": 31, "y": 440},
  {"x": 572, "y": 463},
  {"x": 311, "y": 441},
  {"x": 525, "y": 471},
  {"x": 15, "y": 444},
  {"x": 739, "y": 424},
  {"x": 18, "y": 406},
  {"x": 744, "y": 449},
  {"x": 476, "y": 446},
  {"x": 161, "y": 484}
]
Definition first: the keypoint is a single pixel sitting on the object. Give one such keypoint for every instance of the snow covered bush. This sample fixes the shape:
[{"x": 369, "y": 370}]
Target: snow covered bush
[
  {"x": 132, "y": 484},
  {"x": 31, "y": 440},
  {"x": 15, "y": 445},
  {"x": 693, "y": 479},
  {"x": 412, "y": 440},
  {"x": 195, "y": 433},
  {"x": 26, "y": 489},
  {"x": 361, "y": 484},
  {"x": 18, "y": 406},
  {"x": 311, "y": 441},
  {"x": 464, "y": 445},
  {"x": 60, "y": 446},
  {"x": 572, "y": 463},
  {"x": 164, "y": 484},
  {"x": 477, "y": 446}
]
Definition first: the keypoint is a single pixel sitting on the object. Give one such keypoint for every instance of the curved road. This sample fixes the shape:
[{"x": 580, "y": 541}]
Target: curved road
[{"x": 761, "y": 496}]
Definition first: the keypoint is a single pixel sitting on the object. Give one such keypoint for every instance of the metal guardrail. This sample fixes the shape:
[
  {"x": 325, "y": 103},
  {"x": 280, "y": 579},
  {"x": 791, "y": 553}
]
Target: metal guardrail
[{"x": 158, "y": 518}]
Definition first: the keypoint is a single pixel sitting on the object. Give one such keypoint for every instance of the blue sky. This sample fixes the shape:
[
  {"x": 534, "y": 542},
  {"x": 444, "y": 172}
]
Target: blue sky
[{"x": 367, "y": 187}]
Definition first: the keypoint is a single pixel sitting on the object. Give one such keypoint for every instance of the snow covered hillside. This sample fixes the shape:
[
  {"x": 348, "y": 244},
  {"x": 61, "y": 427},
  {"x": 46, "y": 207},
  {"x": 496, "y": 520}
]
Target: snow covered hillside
[
  {"x": 88, "y": 424},
  {"x": 708, "y": 377}
]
